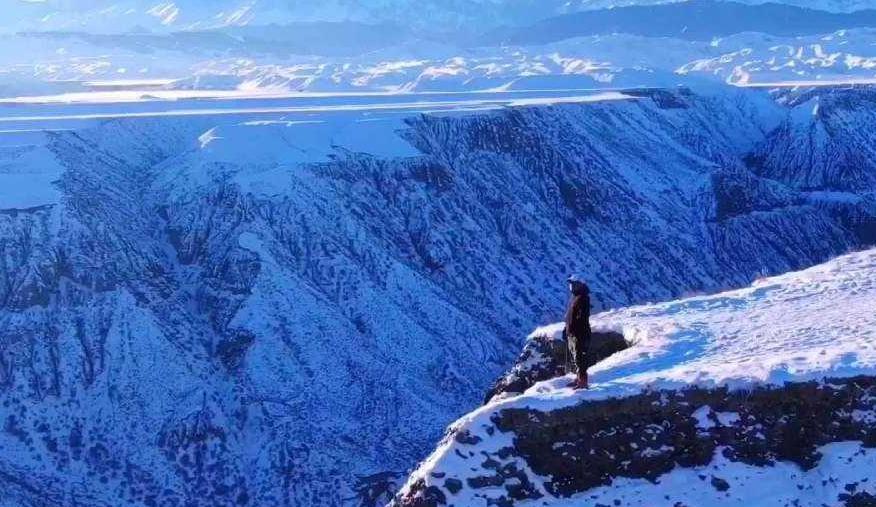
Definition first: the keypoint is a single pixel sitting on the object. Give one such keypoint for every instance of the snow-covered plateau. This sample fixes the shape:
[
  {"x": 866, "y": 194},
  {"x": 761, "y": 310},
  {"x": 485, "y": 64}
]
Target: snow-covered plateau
[{"x": 759, "y": 396}]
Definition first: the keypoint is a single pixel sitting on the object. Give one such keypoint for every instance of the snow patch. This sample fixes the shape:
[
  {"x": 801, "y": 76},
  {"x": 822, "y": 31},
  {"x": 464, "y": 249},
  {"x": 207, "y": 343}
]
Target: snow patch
[
  {"x": 27, "y": 177},
  {"x": 702, "y": 417},
  {"x": 208, "y": 137}
]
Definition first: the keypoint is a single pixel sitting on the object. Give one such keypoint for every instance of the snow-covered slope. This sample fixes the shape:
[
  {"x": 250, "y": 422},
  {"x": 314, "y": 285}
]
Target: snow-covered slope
[
  {"x": 285, "y": 307},
  {"x": 701, "y": 367}
]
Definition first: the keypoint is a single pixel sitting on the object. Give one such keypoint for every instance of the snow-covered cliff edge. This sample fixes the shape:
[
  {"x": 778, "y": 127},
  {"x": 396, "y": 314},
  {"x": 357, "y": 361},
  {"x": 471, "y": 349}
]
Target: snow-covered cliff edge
[{"x": 760, "y": 396}]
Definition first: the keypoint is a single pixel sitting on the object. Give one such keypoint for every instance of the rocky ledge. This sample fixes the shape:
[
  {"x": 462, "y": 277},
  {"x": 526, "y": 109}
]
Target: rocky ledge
[
  {"x": 576, "y": 449},
  {"x": 761, "y": 396},
  {"x": 546, "y": 357}
]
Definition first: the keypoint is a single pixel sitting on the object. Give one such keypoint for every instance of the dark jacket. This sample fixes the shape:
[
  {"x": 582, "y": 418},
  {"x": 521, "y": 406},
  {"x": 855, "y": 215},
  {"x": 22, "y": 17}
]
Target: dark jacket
[
  {"x": 578, "y": 314},
  {"x": 578, "y": 329}
]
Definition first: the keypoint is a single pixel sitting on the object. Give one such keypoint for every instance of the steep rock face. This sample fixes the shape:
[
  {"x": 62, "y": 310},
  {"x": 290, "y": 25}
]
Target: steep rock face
[
  {"x": 201, "y": 321},
  {"x": 815, "y": 149}
]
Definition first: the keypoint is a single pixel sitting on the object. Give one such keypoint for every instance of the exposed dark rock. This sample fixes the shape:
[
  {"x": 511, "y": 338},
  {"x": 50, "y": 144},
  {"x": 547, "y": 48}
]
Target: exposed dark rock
[
  {"x": 465, "y": 437},
  {"x": 544, "y": 358},
  {"x": 485, "y": 481},
  {"x": 645, "y": 436},
  {"x": 454, "y": 486},
  {"x": 791, "y": 422},
  {"x": 377, "y": 489},
  {"x": 858, "y": 500},
  {"x": 422, "y": 496},
  {"x": 720, "y": 484}
]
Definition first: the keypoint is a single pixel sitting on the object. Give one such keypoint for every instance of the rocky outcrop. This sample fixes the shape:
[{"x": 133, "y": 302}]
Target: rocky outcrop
[
  {"x": 583, "y": 447},
  {"x": 763, "y": 395},
  {"x": 546, "y": 356}
]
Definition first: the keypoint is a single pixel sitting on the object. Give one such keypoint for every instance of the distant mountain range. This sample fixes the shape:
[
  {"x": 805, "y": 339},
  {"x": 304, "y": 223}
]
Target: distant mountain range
[
  {"x": 430, "y": 46},
  {"x": 694, "y": 20},
  {"x": 117, "y": 16}
]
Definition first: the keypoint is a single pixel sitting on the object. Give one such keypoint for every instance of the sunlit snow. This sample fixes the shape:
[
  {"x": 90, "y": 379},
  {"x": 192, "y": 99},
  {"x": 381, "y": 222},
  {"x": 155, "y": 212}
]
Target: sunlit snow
[{"x": 808, "y": 325}]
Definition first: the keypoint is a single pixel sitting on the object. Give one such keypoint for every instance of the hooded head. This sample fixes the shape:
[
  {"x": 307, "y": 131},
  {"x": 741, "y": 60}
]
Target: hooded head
[{"x": 577, "y": 285}]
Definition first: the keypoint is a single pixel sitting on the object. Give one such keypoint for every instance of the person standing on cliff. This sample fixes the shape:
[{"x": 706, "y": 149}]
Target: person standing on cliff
[{"x": 578, "y": 328}]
